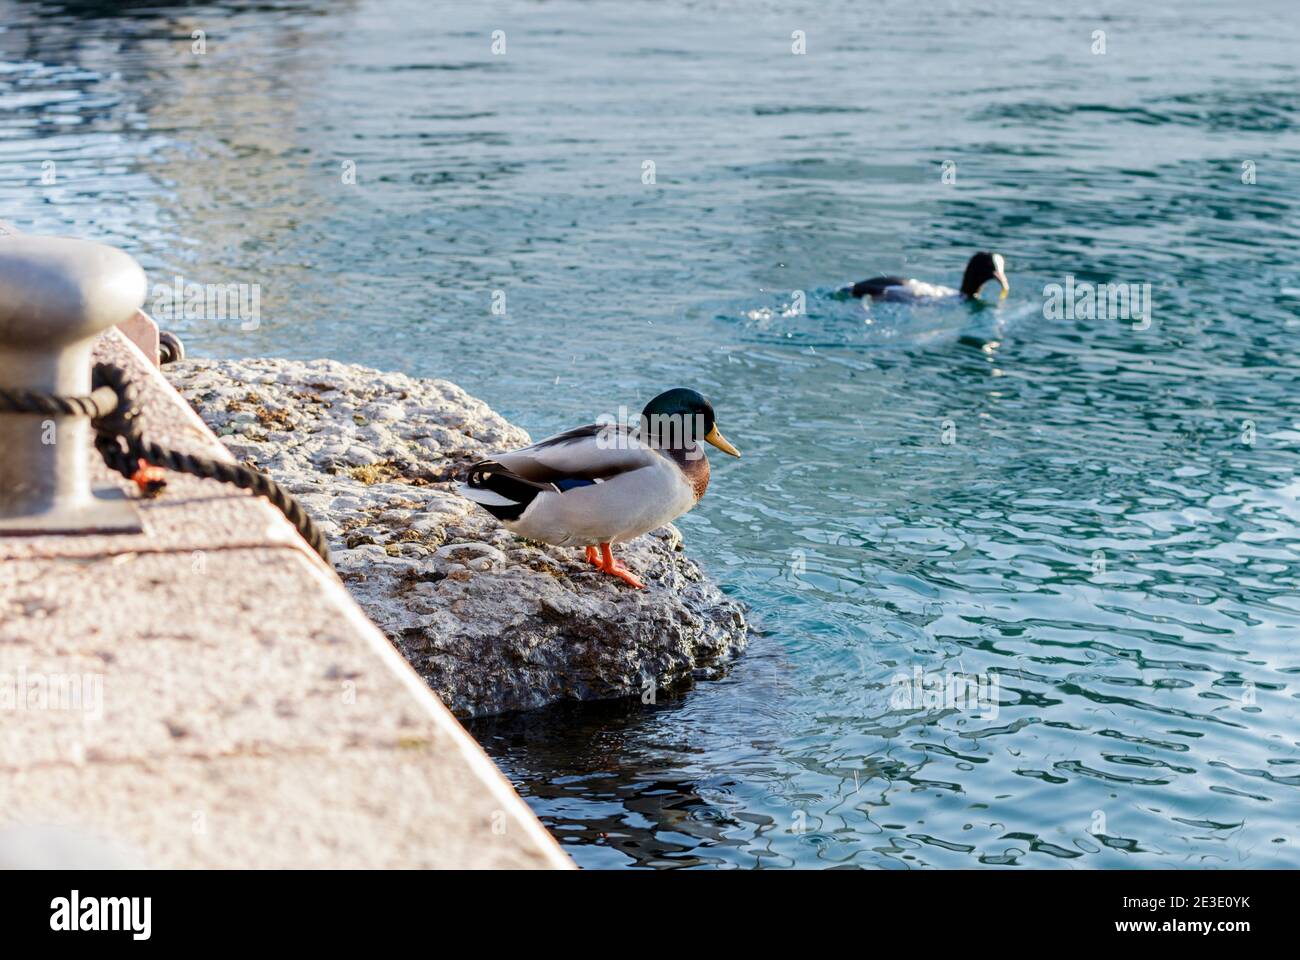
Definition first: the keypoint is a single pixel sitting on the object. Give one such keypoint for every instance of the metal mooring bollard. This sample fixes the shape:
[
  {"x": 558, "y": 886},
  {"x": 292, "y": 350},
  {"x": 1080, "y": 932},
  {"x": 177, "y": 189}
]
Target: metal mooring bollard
[{"x": 56, "y": 295}]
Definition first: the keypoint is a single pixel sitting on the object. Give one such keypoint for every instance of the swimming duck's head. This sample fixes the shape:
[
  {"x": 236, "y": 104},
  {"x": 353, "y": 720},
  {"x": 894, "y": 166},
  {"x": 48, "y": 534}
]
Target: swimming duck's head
[
  {"x": 676, "y": 417},
  {"x": 983, "y": 267}
]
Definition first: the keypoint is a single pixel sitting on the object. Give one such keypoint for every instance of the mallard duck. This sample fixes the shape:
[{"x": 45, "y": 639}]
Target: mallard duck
[
  {"x": 606, "y": 483},
  {"x": 981, "y": 268}
]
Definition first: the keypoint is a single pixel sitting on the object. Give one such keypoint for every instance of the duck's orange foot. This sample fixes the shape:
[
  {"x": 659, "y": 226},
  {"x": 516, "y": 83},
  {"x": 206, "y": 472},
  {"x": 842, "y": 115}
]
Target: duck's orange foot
[
  {"x": 593, "y": 556},
  {"x": 626, "y": 575},
  {"x": 607, "y": 564}
]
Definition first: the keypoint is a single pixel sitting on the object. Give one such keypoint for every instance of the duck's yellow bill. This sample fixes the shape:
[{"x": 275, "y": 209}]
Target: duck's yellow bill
[
  {"x": 719, "y": 441},
  {"x": 1006, "y": 287}
]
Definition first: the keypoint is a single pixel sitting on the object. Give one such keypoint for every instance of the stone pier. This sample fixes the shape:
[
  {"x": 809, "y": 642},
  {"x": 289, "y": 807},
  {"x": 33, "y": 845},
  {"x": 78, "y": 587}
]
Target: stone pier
[{"x": 205, "y": 693}]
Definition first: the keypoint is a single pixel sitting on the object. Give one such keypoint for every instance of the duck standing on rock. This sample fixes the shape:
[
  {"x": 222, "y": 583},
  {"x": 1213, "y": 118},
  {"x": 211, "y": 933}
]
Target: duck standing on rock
[
  {"x": 602, "y": 484},
  {"x": 981, "y": 268}
]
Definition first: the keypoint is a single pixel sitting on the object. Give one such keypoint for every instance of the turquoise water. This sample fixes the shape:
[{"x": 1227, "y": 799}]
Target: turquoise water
[{"x": 1101, "y": 519}]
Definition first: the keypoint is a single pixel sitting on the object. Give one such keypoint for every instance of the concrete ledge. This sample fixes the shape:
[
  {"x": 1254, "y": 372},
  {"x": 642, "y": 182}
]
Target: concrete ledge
[
  {"x": 143, "y": 332},
  {"x": 248, "y": 714}
]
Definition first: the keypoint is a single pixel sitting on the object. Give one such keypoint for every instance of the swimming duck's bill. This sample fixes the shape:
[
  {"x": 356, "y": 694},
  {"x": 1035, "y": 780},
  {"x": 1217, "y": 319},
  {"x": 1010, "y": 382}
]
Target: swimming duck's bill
[
  {"x": 1000, "y": 275},
  {"x": 715, "y": 437}
]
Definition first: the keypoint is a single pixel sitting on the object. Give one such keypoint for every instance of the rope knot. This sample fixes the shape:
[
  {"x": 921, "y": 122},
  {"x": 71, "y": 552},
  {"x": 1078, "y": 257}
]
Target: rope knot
[{"x": 118, "y": 420}]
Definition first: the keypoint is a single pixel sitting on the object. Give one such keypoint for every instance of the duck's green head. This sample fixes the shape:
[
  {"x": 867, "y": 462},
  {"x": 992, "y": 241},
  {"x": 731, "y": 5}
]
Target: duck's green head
[{"x": 678, "y": 417}]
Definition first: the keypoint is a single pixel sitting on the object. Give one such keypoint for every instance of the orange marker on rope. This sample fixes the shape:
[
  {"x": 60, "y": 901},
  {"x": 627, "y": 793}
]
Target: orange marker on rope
[{"x": 149, "y": 479}]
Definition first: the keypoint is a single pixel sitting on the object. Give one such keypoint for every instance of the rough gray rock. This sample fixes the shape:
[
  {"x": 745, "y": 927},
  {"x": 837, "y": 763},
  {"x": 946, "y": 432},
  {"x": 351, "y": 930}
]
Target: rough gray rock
[{"x": 492, "y": 622}]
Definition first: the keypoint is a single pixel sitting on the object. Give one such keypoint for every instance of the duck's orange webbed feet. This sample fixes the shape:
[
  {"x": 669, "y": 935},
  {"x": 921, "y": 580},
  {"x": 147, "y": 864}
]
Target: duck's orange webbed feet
[{"x": 616, "y": 568}]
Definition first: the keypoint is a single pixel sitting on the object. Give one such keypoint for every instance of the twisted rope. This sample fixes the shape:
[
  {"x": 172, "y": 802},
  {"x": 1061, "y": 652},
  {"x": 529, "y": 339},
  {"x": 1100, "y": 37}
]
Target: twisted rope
[
  {"x": 113, "y": 413},
  {"x": 100, "y": 402}
]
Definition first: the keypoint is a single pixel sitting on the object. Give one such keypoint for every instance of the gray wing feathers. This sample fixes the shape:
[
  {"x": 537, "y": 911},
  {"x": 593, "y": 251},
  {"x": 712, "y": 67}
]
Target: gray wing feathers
[{"x": 592, "y": 453}]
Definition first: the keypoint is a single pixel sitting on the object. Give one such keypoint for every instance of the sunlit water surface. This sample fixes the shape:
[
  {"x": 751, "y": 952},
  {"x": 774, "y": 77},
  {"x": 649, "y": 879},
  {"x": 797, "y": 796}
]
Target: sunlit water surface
[{"x": 1111, "y": 528}]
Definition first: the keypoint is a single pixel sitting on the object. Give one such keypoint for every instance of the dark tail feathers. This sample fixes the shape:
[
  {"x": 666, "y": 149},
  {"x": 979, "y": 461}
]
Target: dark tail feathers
[{"x": 512, "y": 493}]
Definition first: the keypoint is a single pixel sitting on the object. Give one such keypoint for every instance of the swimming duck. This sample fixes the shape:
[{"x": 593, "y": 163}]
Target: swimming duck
[
  {"x": 982, "y": 268},
  {"x": 604, "y": 483}
]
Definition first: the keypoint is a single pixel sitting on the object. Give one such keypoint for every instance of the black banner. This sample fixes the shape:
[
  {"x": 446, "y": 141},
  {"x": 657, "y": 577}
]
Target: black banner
[{"x": 335, "y": 909}]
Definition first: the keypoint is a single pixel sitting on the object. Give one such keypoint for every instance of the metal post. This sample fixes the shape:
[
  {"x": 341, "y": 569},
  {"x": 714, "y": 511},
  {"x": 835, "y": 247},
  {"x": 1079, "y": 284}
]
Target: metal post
[{"x": 56, "y": 295}]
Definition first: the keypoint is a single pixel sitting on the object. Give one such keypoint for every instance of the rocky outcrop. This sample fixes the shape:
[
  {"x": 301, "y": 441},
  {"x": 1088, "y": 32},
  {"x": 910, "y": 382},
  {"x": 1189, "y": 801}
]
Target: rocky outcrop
[{"x": 492, "y": 622}]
